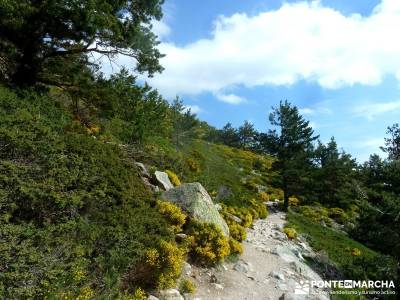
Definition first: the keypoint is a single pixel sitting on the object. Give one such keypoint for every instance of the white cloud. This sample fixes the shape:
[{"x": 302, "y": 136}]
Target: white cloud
[
  {"x": 372, "y": 110},
  {"x": 161, "y": 29},
  {"x": 230, "y": 98},
  {"x": 374, "y": 143},
  {"x": 302, "y": 40},
  {"x": 194, "y": 109},
  {"x": 306, "y": 111}
]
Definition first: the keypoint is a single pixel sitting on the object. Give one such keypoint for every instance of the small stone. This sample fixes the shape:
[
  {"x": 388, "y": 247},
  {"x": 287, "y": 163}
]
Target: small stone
[
  {"x": 277, "y": 275},
  {"x": 234, "y": 218},
  {"x": 218, "y": 286},
  {"x": 170, "y": 294},
  {"x": 187, "y": 269},
  {"x": 242, "y": 266},
  {"x": 151, "y": 297},
  {"x": 213, "y": 279},
  {"x": 180, "y": 236}
]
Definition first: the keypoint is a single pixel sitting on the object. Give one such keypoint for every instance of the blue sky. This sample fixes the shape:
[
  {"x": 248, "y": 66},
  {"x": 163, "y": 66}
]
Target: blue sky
[{"x": 337, "y": 60}]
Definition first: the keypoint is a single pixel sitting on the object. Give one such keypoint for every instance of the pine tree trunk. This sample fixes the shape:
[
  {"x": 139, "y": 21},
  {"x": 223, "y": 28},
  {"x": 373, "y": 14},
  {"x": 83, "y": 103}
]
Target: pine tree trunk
[{"x": 29, "y": 66}]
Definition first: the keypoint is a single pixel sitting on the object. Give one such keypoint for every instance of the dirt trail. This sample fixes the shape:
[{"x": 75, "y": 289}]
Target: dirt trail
[{"x": 269, "y": 268}]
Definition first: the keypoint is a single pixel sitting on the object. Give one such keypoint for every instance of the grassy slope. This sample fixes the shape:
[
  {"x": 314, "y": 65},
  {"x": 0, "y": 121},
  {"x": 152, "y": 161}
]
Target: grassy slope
[
  {"x": 217, "y": 165},
  {"x": 338, "y": 247}
]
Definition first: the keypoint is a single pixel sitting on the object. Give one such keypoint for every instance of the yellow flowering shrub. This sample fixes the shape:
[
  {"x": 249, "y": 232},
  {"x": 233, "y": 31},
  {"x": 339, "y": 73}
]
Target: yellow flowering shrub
[
  {"x": 276, "y": 193},
  {"x": 193, "y": 165},
  {"x": 93, "y": 129},
  {"x": 290, "y": 232},
  {"x": 173, "y": 214},
  {"x": 173, "y": 177},
  {"x": 159, "y": 268},
  {"x": 139, "y": 294},
  {"x": 187, "y": 287},
  {"x": 235, "y": 246},
  {"x": 209, "y": 245},
  {"x": 260, "y": 209},
  {"x": 355, "y": 252},
  {"x": 85, "y": 293},
  {"x": 236, "y": 231},
  {"x": 293, "y": 201},
  {"x": 338, "y": 215},
  {"x": 263, "y": 196}
]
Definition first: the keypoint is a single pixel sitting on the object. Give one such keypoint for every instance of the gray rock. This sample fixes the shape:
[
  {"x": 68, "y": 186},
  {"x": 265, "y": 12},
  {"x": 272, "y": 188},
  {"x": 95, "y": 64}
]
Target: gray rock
[
  {"x": 152, "y": 187},
  {"x": 194, "y": 200},
  {"x": 218, "y": 206},
  {"x": 170, "y": 294},
  {"x": 187, "y": 269},
  {"x": 181, "y": 236},
  {"x": 277, "y": 275},
  {"x": 242, "y": 266},
  {"x": 234, "y": 218},
  {"x": 143, "y": 170},
  {"x": 213, "y": 278},
  {"x": 218, "y": 286},
  {"x": 151, "y": 297},
  {"x": 163, "y": 180}
]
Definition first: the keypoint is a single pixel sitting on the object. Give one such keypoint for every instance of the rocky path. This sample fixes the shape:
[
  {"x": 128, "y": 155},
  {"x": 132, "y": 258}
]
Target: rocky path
[{"x": 269, "y": 268}]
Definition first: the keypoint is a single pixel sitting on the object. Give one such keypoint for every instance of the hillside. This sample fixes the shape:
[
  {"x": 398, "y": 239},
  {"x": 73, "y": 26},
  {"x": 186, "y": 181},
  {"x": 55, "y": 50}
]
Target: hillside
[
  {"x": 76, "y": 218},
  {"x": 112, "y": 189},
  {"x": 78, "y": 222}
]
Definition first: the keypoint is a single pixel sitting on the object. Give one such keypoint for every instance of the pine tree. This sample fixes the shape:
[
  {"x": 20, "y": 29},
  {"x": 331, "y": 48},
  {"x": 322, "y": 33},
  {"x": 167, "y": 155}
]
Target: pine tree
[
  {"x": 247, "y": 135},
  {"x": 292, "y": 144},
  {"x": 333, "y": 176},
  {"x": 392, "y": 143}
]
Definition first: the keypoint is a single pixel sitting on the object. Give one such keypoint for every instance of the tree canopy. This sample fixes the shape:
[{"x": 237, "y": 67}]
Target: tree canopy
[{"x": 36, "y": 35}]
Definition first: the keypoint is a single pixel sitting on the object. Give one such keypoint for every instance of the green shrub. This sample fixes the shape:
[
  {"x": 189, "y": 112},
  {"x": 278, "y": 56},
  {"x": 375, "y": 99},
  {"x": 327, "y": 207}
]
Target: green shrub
[
  {"x": 173, "y": 177},
  {"x": 173, "y": 214},
  {"x": 208, "y": 244},
  {"x": 276, "y": 193},
  {"x": 187, "y": 287},
  {"x": 70, "y": 204}
]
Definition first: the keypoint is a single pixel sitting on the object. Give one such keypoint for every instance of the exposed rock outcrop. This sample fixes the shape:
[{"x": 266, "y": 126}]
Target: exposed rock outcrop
[
  {"x": 194, "y": 200},
  {"x": 163, "y": 180}
]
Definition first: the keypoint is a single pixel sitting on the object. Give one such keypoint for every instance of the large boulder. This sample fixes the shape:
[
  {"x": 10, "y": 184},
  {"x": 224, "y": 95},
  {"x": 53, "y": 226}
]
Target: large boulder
[
  {"x": 163, "y": 180},
  {"x": 194, "y": 200}
]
